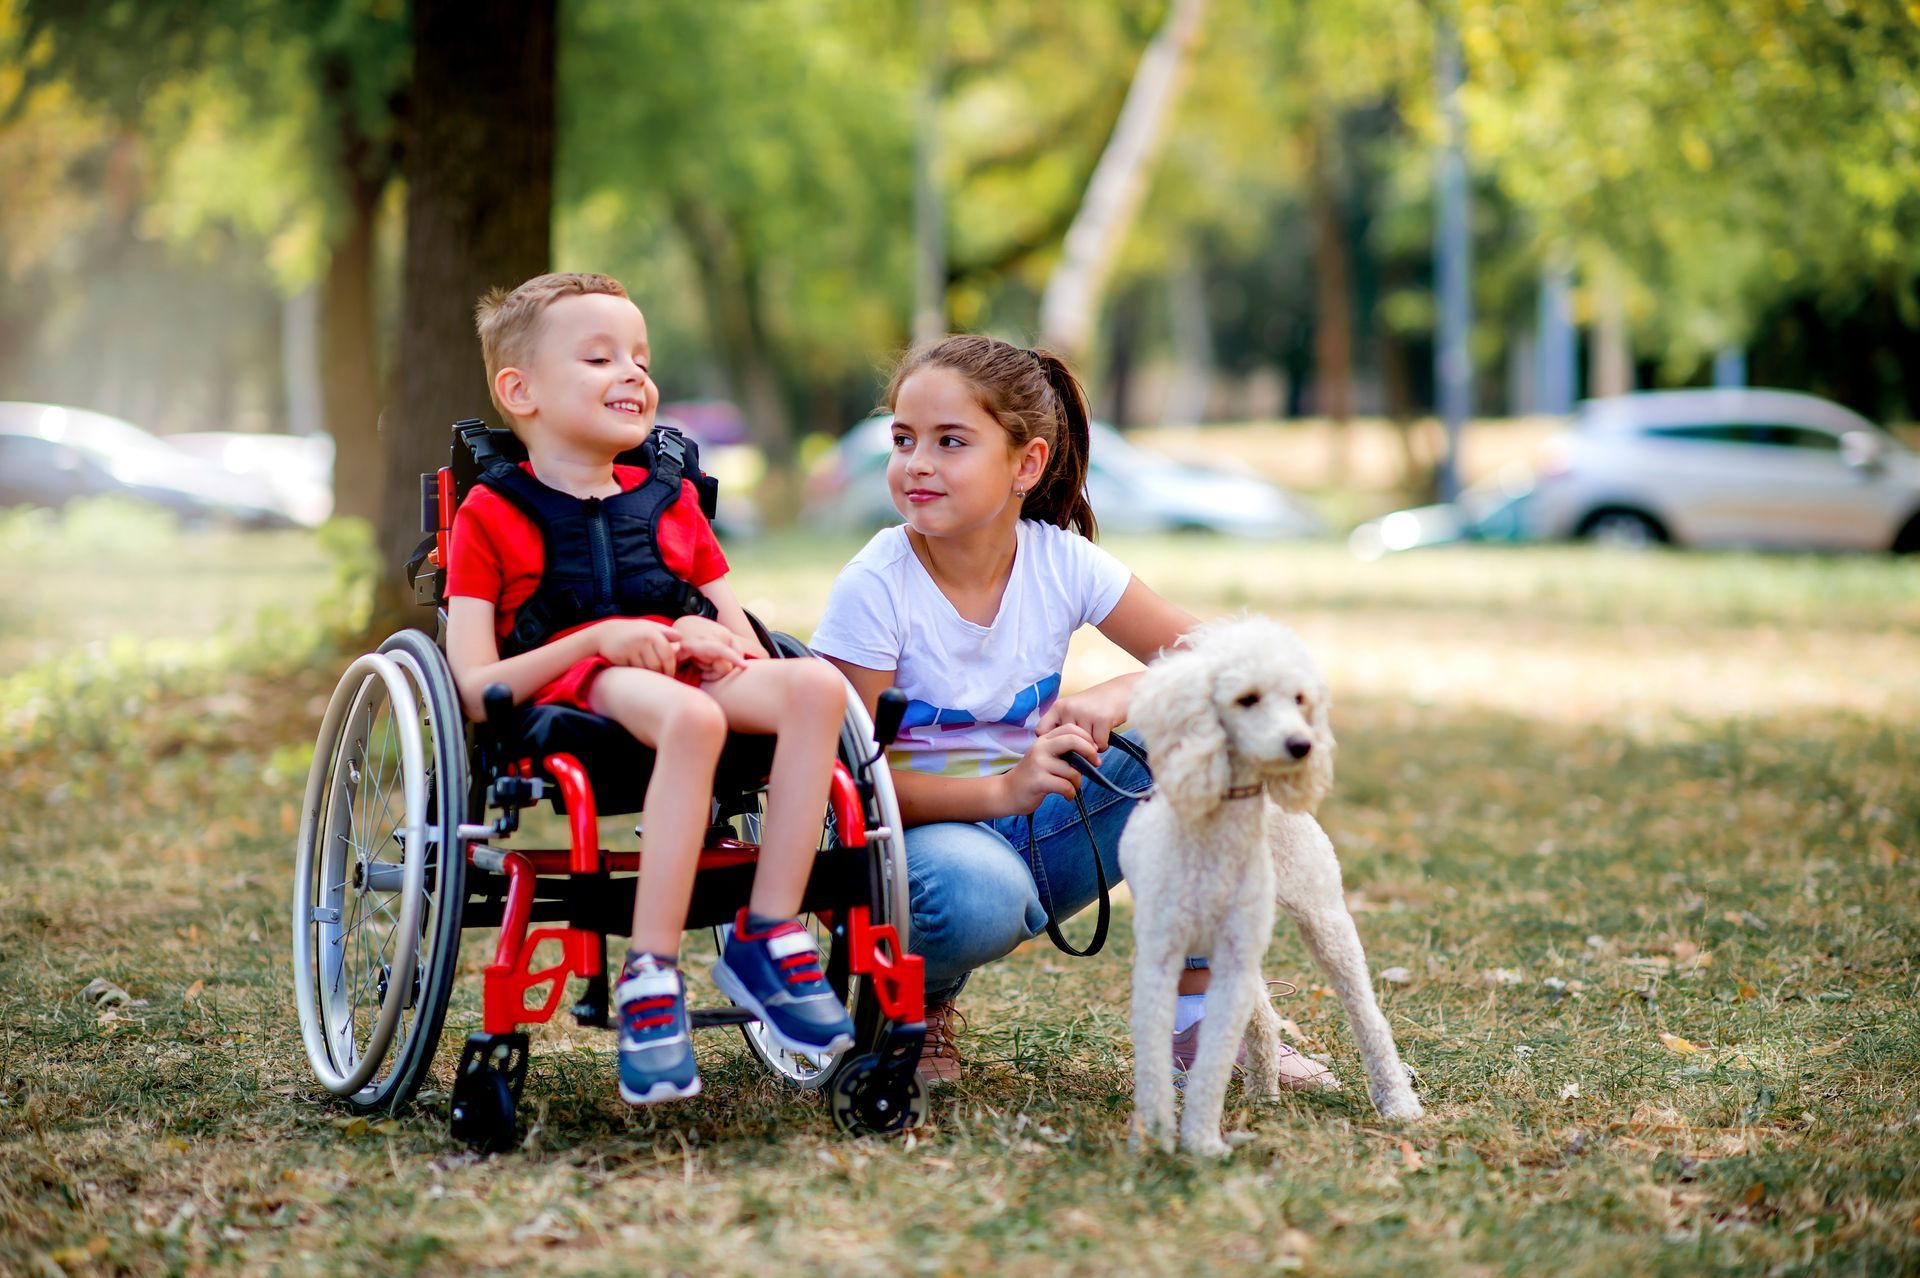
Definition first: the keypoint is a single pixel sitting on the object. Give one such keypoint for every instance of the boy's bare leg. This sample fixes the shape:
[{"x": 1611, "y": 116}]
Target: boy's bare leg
[
  {"x": 801, "y": 702},
  {"x": 656, "y": 708}
]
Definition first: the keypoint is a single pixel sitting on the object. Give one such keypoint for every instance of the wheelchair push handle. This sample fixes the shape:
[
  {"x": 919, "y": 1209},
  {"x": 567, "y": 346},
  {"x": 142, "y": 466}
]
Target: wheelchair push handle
[
  {"x": 887, "y": 713},
  {"x": 501, "y": 712}
]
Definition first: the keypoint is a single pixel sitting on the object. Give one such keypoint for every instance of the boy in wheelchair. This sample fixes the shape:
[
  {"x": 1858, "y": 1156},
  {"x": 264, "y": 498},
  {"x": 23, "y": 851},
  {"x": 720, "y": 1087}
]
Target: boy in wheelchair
[{"x": 578, "y": 582}]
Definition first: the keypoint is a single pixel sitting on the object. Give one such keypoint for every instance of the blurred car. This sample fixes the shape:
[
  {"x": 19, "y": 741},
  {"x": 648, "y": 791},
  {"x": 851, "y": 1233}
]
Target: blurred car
[
  {"x": 1758, "y": 468},
  {"x": 1495, "y": 510},
  {"x": 1132, "y": 490},
  {"x": 51, "y": 455},
  {"x": 728, "y": 454},
  {"x": 1750, "y": 468},
  {"x": 291, "y": 472}
]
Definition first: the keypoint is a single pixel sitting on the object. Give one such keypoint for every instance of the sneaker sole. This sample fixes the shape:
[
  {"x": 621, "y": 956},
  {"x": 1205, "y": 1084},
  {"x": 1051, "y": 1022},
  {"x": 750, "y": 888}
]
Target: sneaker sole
[
  {"x": 660, "y": 1091},
  {"x": 731, "y": 986}
]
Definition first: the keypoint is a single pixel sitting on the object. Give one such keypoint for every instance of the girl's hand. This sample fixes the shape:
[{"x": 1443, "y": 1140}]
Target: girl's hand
[
  {"x": 1097, "y": 711},
  {"x": 1043, "y": 770},
  {"x": 712, "y": 647},
  {"x": 632, "y": 641}
]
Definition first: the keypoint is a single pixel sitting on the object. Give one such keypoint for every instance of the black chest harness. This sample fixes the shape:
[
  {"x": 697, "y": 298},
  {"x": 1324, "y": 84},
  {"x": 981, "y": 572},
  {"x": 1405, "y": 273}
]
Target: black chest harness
[{"x": 602, "y": 553}]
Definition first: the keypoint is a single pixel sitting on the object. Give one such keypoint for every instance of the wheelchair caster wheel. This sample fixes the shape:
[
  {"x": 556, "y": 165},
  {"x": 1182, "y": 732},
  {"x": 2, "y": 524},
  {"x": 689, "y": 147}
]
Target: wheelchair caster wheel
[
  {"x": 486, "y": 1092},
  {"x": 869, "y": 1098}
]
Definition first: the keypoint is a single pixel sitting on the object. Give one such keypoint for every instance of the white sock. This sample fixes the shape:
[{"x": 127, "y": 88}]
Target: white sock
[{"x": 1190, "y": 1008}]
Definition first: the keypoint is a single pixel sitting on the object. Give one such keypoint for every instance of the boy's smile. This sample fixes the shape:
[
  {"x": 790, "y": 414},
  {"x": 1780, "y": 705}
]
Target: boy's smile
[{"x": 586, "y": 391}]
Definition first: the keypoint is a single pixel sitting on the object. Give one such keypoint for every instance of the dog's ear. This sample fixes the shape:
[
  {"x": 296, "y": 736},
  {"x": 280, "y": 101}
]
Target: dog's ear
[{"x": 1173, "y": 708}]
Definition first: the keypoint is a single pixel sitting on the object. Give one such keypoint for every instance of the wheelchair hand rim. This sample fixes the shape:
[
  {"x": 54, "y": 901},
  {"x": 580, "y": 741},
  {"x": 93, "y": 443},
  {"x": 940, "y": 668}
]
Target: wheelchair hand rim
[{"x": 350, "y": 695}]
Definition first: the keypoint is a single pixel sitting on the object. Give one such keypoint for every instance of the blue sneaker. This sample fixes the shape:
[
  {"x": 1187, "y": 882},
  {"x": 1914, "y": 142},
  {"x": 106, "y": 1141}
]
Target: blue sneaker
[
  {"x": 656, "y": 1040},
  {"x": 776, "y": 975}
]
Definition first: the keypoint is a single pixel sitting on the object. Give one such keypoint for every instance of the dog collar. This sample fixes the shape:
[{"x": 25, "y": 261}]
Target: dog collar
[{"x": 1243, "y": 791}]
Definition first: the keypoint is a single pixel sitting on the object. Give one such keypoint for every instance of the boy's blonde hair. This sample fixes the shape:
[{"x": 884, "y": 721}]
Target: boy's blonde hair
[{"x": 509, "y": 323}]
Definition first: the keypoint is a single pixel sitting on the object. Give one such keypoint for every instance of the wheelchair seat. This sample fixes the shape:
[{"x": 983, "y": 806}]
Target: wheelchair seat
[{"x": 619, "y": 764}]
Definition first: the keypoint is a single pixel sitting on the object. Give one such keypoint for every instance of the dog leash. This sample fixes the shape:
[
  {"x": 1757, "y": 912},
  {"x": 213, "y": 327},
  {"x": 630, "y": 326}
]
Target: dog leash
[{"x": 1104, "y": 915}]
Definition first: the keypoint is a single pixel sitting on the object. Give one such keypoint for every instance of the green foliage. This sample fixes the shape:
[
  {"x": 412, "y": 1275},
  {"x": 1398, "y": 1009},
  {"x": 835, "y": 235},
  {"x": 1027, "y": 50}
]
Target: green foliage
[{"x": 1725, "y": 155}]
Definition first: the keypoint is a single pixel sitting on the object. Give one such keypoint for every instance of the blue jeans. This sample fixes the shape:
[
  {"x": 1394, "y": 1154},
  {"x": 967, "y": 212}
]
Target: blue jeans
[{"x": 977, "y": 890}]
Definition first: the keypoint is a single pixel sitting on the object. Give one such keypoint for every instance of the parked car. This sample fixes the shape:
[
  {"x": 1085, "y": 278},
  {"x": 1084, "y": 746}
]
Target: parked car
[
  {"x": 1752, "y": 468},
  {"x": 1132, "y": 489},
  {"x": 1760, "y": 468},
  {"x": 291, "y": 472},
  {"x": 51, "y": 455}
]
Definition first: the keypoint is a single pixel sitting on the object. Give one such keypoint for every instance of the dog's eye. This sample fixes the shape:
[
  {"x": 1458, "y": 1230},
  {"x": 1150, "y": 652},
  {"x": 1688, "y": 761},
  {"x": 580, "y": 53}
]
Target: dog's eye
[
  {"x": 1250, "y": 699},
  {"x": 1299, "y": 698}
]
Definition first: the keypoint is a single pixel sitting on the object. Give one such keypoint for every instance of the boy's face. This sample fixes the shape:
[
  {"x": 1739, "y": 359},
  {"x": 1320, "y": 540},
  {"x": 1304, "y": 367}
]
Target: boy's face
[{"x": 585, "y": 385}]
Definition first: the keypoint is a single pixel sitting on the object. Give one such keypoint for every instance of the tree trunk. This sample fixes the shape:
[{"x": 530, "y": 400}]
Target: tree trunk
[
  {"x": 736, "y": 321},
  {"x": 349, "y": 374},
  {"x": 1189, "y": 388},
  {"x": 479, "y": 171},
  {"x": 1333, "y": 298},
  {"x": 1071, "y": 302},
  {"x": 1612, "y": 356},
  {"x": 929, "y": 211}
]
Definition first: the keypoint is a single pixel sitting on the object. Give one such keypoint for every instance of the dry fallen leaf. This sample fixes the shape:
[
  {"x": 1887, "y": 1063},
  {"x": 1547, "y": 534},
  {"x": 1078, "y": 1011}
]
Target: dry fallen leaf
[
  {"x": 104, "y": 992},
  {"x": 1828, "y": 1049},
  {"x": 1675, "y": 1043},
  {"x": 1410, "y": 1157},
  {"x": 1755, "y": 1192},
  {"x": 1502, "y": 976},
  {"x": 1746, "y": 992},
  {"x": 193, "y": 991},
  {"x": 1396, "y": 976},
  {"x": 1571, "y": 1091}
]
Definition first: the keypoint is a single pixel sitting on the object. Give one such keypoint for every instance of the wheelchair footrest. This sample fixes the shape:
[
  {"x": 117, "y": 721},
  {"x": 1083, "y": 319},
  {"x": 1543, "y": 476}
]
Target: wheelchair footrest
[{"x": 704, "y": 1017}]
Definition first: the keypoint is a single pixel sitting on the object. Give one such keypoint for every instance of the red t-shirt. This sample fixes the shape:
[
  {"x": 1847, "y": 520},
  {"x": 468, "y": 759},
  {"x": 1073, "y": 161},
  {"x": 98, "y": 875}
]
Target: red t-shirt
[{"x": 497, "y": 552}]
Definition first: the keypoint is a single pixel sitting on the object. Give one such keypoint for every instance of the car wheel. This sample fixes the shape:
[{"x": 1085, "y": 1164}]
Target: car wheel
[{"x": 1622, "y": 529}]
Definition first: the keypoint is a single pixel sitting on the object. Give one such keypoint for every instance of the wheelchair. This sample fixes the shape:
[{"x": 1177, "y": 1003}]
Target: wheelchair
[{"x": 406, "y": 841}]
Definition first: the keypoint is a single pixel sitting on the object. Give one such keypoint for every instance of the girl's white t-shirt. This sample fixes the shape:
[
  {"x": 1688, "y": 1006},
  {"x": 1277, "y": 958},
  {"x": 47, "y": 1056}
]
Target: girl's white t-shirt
[{"x": 975, "y": 693}]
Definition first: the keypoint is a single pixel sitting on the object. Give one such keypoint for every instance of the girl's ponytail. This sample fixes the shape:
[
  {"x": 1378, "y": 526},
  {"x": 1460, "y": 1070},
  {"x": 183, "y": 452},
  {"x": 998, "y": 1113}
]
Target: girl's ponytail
[{"x": 1060, "y": 498}]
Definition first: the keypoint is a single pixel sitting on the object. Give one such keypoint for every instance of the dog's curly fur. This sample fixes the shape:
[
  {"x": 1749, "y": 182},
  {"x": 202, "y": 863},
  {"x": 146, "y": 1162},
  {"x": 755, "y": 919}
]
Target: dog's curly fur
[{"x": 1237, "y": 703}]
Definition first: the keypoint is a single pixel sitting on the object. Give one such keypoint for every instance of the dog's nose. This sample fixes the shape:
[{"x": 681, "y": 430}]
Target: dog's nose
[{"x": 1299, "y": 747}]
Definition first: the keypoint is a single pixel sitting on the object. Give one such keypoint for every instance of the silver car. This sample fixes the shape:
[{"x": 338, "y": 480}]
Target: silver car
[
  {"x": 1756, "y": 468},
  {"x": 1132, "y": 490}
]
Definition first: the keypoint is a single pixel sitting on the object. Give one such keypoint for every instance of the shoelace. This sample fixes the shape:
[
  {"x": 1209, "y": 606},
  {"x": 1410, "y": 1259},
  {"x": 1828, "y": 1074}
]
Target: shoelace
[
  {"x": 649, "y": 1013},
  {"x": 941, "y": 1030},
  {"x": 800, "y": 967}
]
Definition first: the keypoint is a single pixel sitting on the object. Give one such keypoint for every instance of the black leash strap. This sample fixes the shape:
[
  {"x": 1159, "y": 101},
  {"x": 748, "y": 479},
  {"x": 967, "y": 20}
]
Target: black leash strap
[{"x": 1105, "y": 913}]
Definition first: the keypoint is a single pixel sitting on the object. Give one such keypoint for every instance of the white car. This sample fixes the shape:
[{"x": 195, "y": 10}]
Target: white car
[
  {"x": 1756, "y": 468},
  {"x": 1131, "y": 489}
]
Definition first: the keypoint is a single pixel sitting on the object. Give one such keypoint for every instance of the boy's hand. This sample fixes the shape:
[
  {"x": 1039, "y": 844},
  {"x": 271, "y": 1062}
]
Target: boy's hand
[
  {"x": 1043, "y": 770},
  {"x": 712, "y": 647},
  {"x": 632, "y": 641},
  {"x": 1097, "y": 712}
]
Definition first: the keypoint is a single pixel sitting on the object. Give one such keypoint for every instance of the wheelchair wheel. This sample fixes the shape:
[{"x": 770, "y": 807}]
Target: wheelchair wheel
[
  {"x": 888, "y": 904},
  {"x": 380, "y": 876}
]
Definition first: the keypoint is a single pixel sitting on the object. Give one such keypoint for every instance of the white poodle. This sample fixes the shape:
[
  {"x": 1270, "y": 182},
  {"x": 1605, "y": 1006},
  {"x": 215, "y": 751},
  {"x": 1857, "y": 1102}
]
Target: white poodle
[{"x": 1235, "y": 718}]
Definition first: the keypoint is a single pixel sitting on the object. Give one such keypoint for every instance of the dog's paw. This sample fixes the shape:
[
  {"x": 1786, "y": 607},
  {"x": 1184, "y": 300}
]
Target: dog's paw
[
  {"x": 1147, "y": 1137},
  {"x": 1205, "y": 1145},
  {"x": 1400, "y": 1106}
]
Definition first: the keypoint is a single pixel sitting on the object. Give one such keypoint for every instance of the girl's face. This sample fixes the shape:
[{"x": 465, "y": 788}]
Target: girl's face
[{"x": 954, "y": 469}]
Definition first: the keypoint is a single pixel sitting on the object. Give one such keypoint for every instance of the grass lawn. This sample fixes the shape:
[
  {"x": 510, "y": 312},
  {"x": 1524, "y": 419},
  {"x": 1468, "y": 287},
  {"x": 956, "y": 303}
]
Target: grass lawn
[{"x": 1641, "y": 830}]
